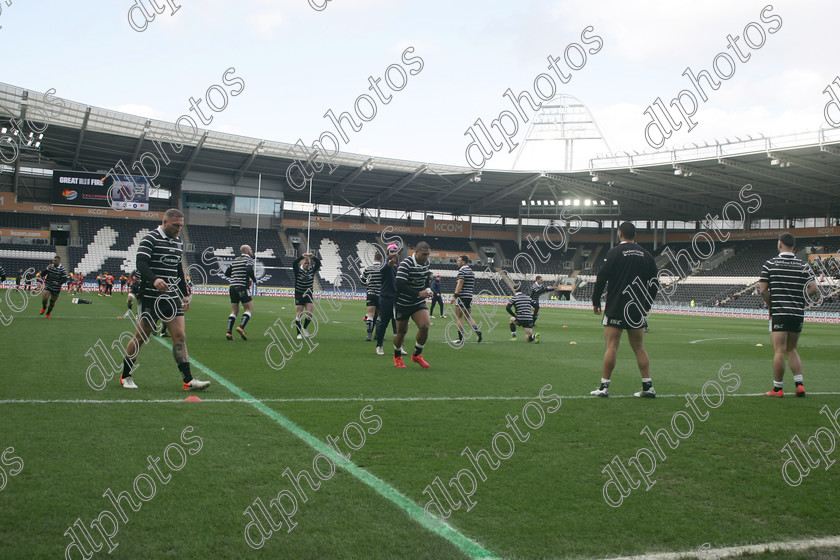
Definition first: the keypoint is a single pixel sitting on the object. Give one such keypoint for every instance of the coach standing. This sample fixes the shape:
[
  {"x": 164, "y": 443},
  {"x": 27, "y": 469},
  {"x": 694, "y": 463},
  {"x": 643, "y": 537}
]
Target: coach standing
[
  {"x": 627, "y": 270},
  {"x": 784, "y": 281},
  {"x": 164, "y": 285}
]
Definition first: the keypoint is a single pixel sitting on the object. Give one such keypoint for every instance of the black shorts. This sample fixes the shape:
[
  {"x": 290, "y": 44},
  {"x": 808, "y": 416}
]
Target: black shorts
[
  {"x": 54, "y": 290},
  {"x": 786, "y": 324},
  {"x": 622, "y": 323},
  {"x": 463, "y": 302},
  {"x": 403, "y": 313},
  {"x": 372, "y": 300},
  {"x": 302, "y": 298},
  {"x": 524, "y": 324},
  {"x": 239, "y": 294},
  {"x": 164, "y": 307}
]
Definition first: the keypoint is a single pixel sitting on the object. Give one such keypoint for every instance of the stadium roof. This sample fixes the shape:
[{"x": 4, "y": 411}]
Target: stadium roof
[{"x": 796, "y": 175}]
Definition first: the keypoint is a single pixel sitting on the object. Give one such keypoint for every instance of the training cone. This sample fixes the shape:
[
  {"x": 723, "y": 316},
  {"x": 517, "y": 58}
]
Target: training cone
[
  {"x": 565, "y": 326},
  {"x": 759, "y": 344},
  {"x": 192, "y": 398},
  {"x": 573, "y": 342}
]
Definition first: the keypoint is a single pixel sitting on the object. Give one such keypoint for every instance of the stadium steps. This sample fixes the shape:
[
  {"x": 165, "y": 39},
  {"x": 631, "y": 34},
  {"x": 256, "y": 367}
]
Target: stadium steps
[
  {"x": 479, "y": 257},
  {"x": 500, "y": 254},
  {"x": 287, "y": 245},
  {"x": 185, "y": 233},
  {"x": 593, "y": 258},
  {"x": 74, "y": 229},
  {"x": 61, "y": 251}
]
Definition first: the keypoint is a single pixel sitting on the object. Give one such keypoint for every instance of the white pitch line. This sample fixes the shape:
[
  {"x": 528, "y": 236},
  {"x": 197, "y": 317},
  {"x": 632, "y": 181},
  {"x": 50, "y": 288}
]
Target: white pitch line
[
  {"x": 708, "y": 339},
  {"x": 349, "y": 399},
  {"x": 715, "y": 553}
]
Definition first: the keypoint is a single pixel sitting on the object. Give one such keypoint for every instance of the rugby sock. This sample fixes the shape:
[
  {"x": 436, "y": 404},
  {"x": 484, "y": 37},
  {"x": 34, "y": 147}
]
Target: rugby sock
[
  {"x": 245, "y": 318},
  {"x": 778, "y": 385},
  {"x": 128, "y": 365},
  {"x": 605, "y": 384},
  {"x": 306, "y": 322},
  {"x": 297, "y": 326},
  {"x": 646, "y": 383},
  {"x": 397, "y": 352},
  {"x": 231, "y": 320},
  {"x": 418, "y": 349},
  {"x": 185, "y": 371},
  {"x": 513, "y": 330},
  {"x": 460, "y": 336},
  {"x": 369, "y": 325},
  {"x": 797, "y": 380},
  {"x": 52, "y": 304},
  {"x": 130, "y": 303}
]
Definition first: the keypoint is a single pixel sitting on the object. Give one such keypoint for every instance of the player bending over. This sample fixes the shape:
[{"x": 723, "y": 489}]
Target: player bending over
[{"x": 521, "y": 315}]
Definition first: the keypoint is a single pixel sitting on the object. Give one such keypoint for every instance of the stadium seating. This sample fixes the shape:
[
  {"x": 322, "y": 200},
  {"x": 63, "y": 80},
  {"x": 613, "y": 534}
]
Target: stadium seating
[{"x": 108, "y": 245}]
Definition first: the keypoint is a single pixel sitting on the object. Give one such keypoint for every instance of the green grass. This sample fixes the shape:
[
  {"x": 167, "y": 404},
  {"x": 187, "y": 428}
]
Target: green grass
[{"x": 722, "y": 485}]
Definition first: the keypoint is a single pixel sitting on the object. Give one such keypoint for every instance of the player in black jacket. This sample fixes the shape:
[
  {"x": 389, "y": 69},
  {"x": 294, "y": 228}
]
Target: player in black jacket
[{"x": 629, "y": 272}]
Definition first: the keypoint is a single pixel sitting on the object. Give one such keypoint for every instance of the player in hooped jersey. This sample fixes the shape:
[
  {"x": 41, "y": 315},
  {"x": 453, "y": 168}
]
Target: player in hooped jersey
[
  {"x": 371, "y": 278},
  {"x": 410, "y": 303},
  {"x": 784, "y": 283},
  {"x": 164, "y": 296},
  {"x": 304, "y": 267},
  {"x": 54, "y": 276},
  {"x": 241, "y": 273},
  {"x": 462, "y": 298},
  {"x": 521, "y": 311}
]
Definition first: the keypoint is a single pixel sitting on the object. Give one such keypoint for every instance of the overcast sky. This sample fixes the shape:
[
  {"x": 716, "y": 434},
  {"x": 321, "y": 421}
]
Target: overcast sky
[{"x": 298, "y": 62}]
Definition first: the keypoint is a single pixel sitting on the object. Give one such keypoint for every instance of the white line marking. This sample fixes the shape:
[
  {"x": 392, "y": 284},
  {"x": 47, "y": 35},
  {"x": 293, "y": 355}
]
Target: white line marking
[
  {"x": 714, "y": 553},
  {"x": 351, "y": 399},
  {"x": 708, "y": 339}
]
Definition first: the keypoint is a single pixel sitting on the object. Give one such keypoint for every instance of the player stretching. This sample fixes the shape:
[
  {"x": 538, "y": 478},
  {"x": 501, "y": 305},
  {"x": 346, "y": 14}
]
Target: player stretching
[
  {"x": 371, "y": 278},
  {"x": 410, "y": 303},
  {"x": 625, "y": 264},
  {"x": 241, "y": 273},
  {"x": 536, "y": 291},
  {"x": 159, "y": 260},
  {"x": 522, "y": 315},
  {"x": 462, "y": 298},
  {"x": 305, "y": 267},
  {"x": 54, "y": 276},
  {"x": 784, "y": 281}
]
